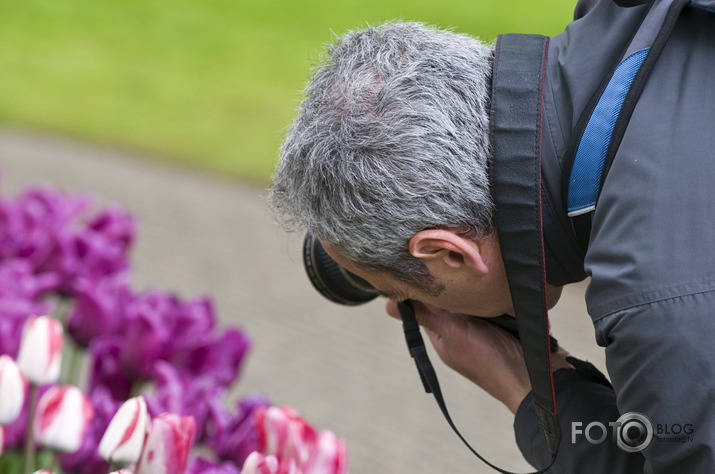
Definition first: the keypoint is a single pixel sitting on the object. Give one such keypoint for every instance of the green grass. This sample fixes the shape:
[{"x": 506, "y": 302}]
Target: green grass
[{"x": 212, "y": 83}]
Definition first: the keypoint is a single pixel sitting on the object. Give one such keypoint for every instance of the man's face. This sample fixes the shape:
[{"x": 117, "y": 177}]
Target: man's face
[{"x": 467, "y": 290}]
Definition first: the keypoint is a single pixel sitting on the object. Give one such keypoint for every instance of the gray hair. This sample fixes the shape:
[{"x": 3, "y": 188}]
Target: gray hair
[{"x": 390, "y": 139}]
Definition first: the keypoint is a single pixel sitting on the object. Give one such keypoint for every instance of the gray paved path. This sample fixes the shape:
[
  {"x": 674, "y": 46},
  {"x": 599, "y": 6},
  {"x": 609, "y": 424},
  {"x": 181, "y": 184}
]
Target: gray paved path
[{"x": 345, "y": 369}]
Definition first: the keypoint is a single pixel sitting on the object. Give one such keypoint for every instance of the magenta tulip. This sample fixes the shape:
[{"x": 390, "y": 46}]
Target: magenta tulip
[
  {"x": 167, "y": 447},
  {"x": 124, "y": 438},
  {"x": 63, "y": 416},
  {"x": 40, "y": 353},
  {"x": 13, "y": 388}
]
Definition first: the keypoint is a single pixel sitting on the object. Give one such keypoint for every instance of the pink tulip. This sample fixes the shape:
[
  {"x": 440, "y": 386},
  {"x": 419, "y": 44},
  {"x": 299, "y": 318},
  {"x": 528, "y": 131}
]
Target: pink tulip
[
  {"x": 63, "y": 416},
  {"x": 13, "y": 388},
  {"x": 283, "y": 433},
  {"x": 40, "y": 353},
  {"x": 329, "y": 456},
  {"x": 124, "y": 438},
  {"x": 257, "y": 463},
  {"x": 167, "y": 447}
]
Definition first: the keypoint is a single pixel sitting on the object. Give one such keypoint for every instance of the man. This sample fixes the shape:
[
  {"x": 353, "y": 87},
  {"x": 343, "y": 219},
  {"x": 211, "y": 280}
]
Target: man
[{"x": 386, "y": 163}]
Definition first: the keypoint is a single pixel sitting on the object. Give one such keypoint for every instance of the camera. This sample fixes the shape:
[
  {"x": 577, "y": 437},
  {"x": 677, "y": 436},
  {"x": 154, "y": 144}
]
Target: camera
[{"x": 331, "y": 279}]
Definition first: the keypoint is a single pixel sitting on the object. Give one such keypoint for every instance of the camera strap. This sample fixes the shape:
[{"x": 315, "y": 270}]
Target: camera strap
[
  {"x": 418, "y": 351},
  {"x": 515, "y": 167},
  {"x": 517, "y": 85}
]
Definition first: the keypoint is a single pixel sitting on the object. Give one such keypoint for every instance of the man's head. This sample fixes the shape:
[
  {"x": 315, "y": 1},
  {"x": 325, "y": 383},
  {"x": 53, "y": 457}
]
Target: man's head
[{"x": 391, "y": 139}]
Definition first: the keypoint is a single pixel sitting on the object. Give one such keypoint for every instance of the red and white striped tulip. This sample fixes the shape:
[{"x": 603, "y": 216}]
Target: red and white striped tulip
[
  {"x": 40, "y": 353},
  {"x": 63, "y": 416},
  {"x": 283, "y": 433},
  {"x": 43, "y": 471},
  {"x": 257, "y": 463},
  {"x": 124, "y": 438},
  {"x": 329, "y": 455},
  {"x": 122, "y": 471},
  {"x": 167, "y": 447},
  {"x": 13, "y": 389}
]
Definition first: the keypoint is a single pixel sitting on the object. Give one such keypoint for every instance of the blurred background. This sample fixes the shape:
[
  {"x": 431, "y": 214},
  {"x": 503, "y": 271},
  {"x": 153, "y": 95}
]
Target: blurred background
[
  {"x": 176, "y": 110},
  {"x": 209, "y": 83}
]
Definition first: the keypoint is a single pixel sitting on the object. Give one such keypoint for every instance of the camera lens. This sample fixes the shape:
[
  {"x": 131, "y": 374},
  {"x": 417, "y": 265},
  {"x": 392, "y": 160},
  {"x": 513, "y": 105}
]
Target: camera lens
[{"x": 331, "y": 279}]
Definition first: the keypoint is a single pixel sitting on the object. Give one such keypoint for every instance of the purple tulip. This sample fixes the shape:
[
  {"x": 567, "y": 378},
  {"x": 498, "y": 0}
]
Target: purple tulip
[
  {"x": 117, "y": 225},
  {"x": 31, "y": 223},
  {"x": 45, "y": 226},
  {"x": 99, "y": 307},
  {"x": 189, "y": 320},
  {"x": 106, "y": 368},
  {"x": 179, "y": 392},
  {"x": 218, "y": 356},
  {"x": 234, "y": 437},
  {"x": 148, "y": 327},
  {"x": 204, "y": 466}
]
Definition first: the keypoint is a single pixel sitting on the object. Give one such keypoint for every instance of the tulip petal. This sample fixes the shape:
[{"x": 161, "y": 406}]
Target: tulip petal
[
  {"x": 124, "y": 438},
  {"x": 13, "y": 389},
  {"x": 40, "y": 353},
  {"x": 63, "y": 416},
  {"x": 329, "y": 456},
  {"x": 167, "y": 447}
]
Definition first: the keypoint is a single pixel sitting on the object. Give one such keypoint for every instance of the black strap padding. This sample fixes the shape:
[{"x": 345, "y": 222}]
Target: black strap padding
[{"x": 516, "y": 121}]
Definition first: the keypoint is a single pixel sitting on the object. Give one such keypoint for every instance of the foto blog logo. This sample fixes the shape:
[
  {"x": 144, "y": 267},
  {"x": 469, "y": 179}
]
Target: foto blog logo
[{"x": 632, "y": 432}]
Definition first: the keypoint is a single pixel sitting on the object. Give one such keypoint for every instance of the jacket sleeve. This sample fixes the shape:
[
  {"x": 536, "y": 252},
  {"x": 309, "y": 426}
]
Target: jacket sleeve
[{"x": 583, "y": 396}]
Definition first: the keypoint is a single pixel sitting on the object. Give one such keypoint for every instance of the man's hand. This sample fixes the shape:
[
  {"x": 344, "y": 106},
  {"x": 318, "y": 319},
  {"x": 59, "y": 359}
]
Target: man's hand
[{"x": 483, "y": 353}]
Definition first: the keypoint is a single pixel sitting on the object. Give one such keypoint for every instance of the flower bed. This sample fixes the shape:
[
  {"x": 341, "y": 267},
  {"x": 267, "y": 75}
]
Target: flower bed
[{"x": 143, "y": 375}]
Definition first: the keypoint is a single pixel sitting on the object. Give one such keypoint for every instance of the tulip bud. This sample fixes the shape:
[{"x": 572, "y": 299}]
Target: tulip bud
[
  {"x": 257, "y": 463},
  {"x": 40, "y": 353},
  {"x": 63, "y": 416},
  {"x": 167, "y": 447},
  {"x": 124, "y": 438},
  {"x": 329, "y": 456},
  {"x": 13, "y": 388},
  {"x": 282, "y": 432}
]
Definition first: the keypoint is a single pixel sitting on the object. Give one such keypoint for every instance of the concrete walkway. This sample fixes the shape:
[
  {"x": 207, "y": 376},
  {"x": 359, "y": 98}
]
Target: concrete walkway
[{"x": 345, "y": 369}]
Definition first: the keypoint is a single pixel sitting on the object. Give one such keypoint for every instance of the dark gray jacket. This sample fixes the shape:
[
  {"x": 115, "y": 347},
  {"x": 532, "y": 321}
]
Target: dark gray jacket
[{"x": 650, "y": 257}]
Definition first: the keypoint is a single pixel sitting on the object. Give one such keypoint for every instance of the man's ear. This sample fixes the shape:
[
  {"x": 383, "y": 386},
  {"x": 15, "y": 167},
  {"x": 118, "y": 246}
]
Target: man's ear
[{"x": 446, "y": 247}]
